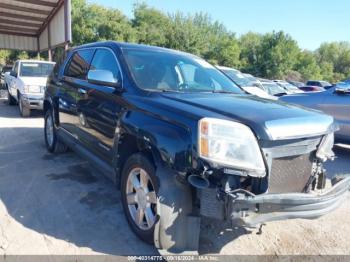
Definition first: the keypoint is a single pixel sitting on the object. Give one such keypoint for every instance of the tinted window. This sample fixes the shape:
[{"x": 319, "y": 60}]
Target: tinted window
[
  {"x": 6, "y": 69},
  {"x": 105, "y": 60},
  {"x": 313, "y": 83},
  {"x": 79, "y": 64}
]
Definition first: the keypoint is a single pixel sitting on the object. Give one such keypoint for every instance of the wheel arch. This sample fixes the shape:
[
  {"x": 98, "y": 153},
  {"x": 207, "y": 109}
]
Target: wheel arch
[
  {"x": 164, "y": 143},
  {"x": 49, "y": 103}
]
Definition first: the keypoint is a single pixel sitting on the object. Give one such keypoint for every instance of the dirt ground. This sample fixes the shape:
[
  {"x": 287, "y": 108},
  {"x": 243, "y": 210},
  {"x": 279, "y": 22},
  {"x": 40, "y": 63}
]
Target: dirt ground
[{"x": 61, "y": 205}]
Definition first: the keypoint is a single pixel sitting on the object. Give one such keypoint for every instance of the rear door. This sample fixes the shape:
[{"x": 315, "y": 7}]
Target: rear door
[
  {"x": 99, "y": 107},
  {"x": 72, "y": 81}
]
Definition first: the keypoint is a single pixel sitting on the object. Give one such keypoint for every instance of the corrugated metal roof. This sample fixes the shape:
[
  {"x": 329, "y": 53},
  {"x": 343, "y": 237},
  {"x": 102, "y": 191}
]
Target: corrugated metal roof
[{"x": 21, "y": 21}]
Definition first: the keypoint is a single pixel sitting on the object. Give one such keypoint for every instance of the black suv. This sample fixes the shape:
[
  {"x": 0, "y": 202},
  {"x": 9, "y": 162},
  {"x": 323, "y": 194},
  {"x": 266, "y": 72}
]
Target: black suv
[{"x": 182, "y": 142}]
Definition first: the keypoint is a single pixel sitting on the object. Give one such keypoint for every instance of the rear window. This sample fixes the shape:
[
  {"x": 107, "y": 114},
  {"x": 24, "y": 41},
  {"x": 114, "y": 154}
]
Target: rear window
[
  {"x": 79, "y": 64},
  {"x": 6, "y": 69},
  {"x": 313, "y": 83}
]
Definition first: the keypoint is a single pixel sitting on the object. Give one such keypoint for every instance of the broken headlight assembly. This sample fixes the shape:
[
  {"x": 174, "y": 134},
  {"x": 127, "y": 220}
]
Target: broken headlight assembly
[
  {"x": 325, "y": 151},
  {"x": 230, "y": 144}
]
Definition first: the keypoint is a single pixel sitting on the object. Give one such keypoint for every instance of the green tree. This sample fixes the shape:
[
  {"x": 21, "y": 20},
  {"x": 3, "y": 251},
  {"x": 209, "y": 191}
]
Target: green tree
[
  {"x": 91, "y": 23},
  {"x": 277, "y": 55},
  {"x": 152, "y": 26},
  {"x": 249, "y": 45},
  {"x": 307, "y": 66}
]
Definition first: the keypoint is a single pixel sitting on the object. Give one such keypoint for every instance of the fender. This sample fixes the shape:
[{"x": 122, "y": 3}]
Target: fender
[{"x": 170, "y": 140}]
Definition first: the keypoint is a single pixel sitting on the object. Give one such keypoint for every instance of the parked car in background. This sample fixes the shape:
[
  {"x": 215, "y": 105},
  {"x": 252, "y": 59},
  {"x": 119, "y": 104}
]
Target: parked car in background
[
  {"x": 5, "y": 70},
  {"x": 183, "y": 142},
  {"x": 254, "y": 79},
  {"x": 296, "y": 83},
  {"x": 324, "y": 84},
  {"x": 249, "y": 85},
  {"x": 290, "y": 89},
  {"x": 334, "y": 101},
  {"x": 272, "y": 88},
  {"x": 312, "y": 88},
  {"x": 26, "y": 84}
]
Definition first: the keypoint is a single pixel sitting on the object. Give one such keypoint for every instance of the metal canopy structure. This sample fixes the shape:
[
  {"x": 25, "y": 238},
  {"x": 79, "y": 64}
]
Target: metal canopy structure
[{"x": 35, "y": 25}]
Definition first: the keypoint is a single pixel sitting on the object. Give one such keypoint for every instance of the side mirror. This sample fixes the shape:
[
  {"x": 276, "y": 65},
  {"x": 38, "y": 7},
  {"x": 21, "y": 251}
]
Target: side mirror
[
  {"x": 342, "y": 91},
  {"x": 13, "y": 73},
  {"x": 103, "y": 77}
]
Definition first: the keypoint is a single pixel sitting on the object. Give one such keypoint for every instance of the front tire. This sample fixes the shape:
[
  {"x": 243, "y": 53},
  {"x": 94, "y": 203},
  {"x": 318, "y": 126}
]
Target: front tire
[
  {"x": 139, "y": 187},
  {"x": 10, "y": 100},
  {"x": 52, "y": 141},
  {"x": 25, "y": 111}
]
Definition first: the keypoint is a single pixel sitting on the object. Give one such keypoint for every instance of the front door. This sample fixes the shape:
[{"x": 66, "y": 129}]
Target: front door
[{"x": 99, "y": 107}]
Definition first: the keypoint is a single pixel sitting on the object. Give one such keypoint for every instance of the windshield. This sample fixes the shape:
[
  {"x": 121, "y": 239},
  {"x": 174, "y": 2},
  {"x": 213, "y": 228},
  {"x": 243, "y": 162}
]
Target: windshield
[
  {"x": 238, "y": 78},
  {"x": 33, "y": 69},
  {"x": 273, "y": 89},
  {"x": 165, "y": 71}
]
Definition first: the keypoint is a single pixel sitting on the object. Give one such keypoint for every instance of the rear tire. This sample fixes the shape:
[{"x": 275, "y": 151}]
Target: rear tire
[
  {"x": 52, "y": 141},
  {"x": 25, "y": 111},
  {"x": 10, "y": 100}
]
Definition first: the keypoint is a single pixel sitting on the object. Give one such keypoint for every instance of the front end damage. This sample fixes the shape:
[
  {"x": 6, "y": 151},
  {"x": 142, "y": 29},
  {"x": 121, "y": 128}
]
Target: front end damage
[{"x": 293, "y": 186}]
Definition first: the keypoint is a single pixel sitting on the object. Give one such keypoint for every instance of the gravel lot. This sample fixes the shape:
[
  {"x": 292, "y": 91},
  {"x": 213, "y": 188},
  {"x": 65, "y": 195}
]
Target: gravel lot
[{"x": 61, "y": 205}]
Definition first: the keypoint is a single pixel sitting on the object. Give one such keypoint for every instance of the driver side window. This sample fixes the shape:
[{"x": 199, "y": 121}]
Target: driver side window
[{"x": 105, "y": 60}]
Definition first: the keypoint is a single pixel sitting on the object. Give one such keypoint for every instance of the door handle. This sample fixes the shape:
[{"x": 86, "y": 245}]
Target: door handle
[{"x": 82, "y": 91}]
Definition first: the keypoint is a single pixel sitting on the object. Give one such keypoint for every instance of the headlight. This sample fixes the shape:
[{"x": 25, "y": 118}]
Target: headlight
[
  {"x": 325, "y": 151},
  {"x": 33, "y": 89},
  {"x": 231, "y": 144}
]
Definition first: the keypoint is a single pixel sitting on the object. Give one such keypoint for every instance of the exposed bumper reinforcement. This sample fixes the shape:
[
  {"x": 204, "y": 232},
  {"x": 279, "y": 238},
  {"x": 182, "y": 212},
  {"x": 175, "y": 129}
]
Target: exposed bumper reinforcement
[{"x": 253, "y": 210}]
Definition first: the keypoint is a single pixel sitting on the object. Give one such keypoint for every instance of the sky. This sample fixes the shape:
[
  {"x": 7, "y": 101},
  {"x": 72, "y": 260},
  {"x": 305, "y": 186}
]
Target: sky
[{"x": 310, "y": 22}]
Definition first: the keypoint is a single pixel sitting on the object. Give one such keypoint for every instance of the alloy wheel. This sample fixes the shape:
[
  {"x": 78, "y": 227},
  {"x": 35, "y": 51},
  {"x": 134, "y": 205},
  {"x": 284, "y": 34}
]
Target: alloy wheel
[{"x": 141, "y": 198}]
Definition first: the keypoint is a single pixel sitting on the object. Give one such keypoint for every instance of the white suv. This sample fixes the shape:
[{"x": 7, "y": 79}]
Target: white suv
[{"x": 26, "y": 84}]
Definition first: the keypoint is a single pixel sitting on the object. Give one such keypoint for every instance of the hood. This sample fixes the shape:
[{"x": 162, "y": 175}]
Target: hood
[
  {"x": 34, "y": 81},
  {"x": 270, "y": 120}
]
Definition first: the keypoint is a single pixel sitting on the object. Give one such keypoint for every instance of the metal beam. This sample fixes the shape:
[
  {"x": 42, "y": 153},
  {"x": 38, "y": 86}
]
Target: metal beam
[
  {"x": 24, "y": 9},
  {"x": 38, "y": 2},
  {"x": 24, "y": 17},
  {"x": 5, "y": 32},
  {"x": 18, "y": 29},
  {"x": 52, "y": 14},
  {"x": 20, "y": 23}
]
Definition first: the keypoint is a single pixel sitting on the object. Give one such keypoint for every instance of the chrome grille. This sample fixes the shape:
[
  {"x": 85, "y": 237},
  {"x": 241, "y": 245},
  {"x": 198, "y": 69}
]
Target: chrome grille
[{"x": 290, "y": 174}]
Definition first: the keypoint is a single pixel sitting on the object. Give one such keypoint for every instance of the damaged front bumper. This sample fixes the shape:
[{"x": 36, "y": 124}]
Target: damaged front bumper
[{"x": 250, "y": 211}]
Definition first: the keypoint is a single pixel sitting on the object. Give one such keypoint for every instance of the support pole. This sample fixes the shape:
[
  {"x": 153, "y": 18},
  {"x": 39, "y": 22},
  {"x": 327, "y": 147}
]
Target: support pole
[{"x": 50, "y": 54}]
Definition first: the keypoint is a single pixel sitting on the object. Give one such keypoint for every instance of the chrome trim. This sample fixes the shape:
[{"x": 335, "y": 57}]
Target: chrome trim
[{"x": 300, "y": 127}]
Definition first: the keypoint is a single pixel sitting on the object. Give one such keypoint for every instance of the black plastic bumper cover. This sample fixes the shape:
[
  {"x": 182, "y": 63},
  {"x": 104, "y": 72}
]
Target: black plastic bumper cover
[{"x": 254, "y": 210}]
